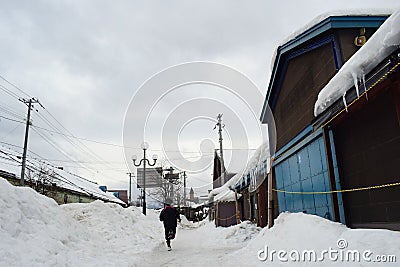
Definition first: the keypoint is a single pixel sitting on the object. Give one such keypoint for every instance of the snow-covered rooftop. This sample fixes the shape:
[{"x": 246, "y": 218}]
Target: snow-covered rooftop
[
  {"x": 225, "y": 193},
  {"x": 334, "y": 13},
  {"x": 79, "y": 184},
  {"x": 381, "y": 44}
]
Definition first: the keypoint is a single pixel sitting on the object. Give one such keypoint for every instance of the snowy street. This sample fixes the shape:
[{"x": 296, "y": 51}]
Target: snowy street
[
  {"x": 99, "y": 234},
  {"x": 196, "y": 247},
  {"x": 35, "y": 231}
]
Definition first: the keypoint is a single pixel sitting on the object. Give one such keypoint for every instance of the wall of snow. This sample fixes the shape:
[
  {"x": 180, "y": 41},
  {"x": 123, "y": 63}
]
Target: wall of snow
[
  {"x": 36, "y": 231},
  {"x": 299, "y": 231}
]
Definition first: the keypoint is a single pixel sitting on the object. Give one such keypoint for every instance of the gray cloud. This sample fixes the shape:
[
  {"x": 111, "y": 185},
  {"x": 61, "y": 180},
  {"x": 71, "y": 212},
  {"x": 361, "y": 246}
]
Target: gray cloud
[{"x": 85, "y": 59}]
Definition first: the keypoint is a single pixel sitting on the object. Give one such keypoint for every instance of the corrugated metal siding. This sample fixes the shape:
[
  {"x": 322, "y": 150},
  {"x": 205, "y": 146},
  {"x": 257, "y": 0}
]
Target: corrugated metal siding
[
  {"x": 368, "y": 153},
  {"x": 305, "y": 170}
]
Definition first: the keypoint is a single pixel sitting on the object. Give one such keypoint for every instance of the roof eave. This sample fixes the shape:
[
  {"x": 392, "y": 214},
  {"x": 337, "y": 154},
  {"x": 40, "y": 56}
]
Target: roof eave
[{"x": 333, "y": 22}]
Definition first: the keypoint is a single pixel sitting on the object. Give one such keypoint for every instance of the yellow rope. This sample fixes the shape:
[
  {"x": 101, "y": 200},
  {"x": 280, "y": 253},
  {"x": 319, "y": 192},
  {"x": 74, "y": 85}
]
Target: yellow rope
[
  {"x": 366, "y": 91},
  {"x": 338, "y": 191},
  {"x": 344, "y": 109},
  {"x": 225, "y": 219}
]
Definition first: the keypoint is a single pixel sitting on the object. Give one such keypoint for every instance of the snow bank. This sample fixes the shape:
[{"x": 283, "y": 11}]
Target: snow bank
[
  {"x": 36, "y": 231},
  {"x": 381, "y": 44},
  {"x": 237, "y": 234},
  {"x": 299, "y": 231},
  {"x": 234, "y": 235},
  {"x": 186, "y": 224},
  {"x": 130, "y": 228}
]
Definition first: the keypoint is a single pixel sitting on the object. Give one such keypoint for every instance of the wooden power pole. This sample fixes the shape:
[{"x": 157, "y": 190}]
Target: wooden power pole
[
  {"x": 29, "y": 103},
  {"x": 220, "y": 126}
]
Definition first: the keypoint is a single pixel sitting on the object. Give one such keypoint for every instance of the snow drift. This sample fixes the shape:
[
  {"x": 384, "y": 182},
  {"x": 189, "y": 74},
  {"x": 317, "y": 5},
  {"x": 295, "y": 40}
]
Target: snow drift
[
  {"x": 36, "y": 231},
  {"x": 301, "y": 232}
]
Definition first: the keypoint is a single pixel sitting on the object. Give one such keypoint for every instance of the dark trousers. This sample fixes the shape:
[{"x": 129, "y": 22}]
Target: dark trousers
[{"x": 169, "y": 234}]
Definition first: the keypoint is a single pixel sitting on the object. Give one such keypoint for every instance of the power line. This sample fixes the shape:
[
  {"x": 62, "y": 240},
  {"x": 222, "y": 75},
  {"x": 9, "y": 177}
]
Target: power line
[
  {"x": 49, "y": 141},
  {"x": 9, "y": 92},
  {"x": 10, "y": 131},
  {"x": 86, "y": 151},
  {"x": 6, "y": 118},
  {"x": 11, "y": 113},
  {"x": 13, "y": 85}
]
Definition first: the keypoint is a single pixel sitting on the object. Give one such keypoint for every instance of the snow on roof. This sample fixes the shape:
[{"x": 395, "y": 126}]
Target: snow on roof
[
  {"x": 381, "y": 44},
  {"x": 194, "y": 205},
  {"x": 334, "y": 13},
  {"x": 79, "y": 184},
  {"x": 259, "y": 157},
  {"x": 224, "y": 193},
  {"x": 226, "y": 196}
]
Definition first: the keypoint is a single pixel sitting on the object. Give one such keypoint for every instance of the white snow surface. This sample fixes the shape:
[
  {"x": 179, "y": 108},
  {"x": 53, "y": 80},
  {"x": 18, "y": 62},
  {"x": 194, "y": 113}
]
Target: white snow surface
[
  {"x": 35, "y": 231},
  {"x": 381, "y": 44},
  {"x": 299, "y": 231}
]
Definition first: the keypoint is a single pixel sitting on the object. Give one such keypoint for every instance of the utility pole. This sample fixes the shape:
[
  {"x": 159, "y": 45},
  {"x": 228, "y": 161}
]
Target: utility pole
[
  {"x": 29, "y": 103},
  {"x": 184, "y": 189},
  {"x": 130, "y": 187},
  {"x": 171, "y": 185},
  {"x": 220, "y": 126}
]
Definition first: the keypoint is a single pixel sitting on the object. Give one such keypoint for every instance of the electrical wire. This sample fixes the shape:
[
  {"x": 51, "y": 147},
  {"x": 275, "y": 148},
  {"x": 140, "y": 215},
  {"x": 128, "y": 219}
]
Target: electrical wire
[
  {"x": 9, "y": 92},
  {"x": 13, "y": 85}
]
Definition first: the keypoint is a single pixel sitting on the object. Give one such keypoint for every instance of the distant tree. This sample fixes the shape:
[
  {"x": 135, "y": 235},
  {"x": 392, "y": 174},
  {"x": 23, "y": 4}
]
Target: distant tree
[
  {"x": 169, "y": 188},
  {"x": 42, "y": 179}
]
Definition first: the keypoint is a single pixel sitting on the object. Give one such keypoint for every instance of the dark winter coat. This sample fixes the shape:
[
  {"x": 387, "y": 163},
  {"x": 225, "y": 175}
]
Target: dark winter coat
[{"x": 169, "y": 216}]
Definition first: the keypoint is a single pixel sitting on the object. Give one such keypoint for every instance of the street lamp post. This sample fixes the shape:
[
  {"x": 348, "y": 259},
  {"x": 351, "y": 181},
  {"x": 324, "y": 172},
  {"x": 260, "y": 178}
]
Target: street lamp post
[{"x": 145, "y": 161}]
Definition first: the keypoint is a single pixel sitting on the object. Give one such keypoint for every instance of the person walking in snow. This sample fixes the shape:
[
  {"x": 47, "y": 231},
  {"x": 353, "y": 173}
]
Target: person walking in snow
[{"x": 169, "y": 216}]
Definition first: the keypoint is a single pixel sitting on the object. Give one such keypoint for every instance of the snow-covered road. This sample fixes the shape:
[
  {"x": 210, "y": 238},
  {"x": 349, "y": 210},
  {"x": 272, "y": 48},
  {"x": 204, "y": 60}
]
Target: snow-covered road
[
  {"x": 204, "y": 245},
  {"x": 35, "y": 231}
]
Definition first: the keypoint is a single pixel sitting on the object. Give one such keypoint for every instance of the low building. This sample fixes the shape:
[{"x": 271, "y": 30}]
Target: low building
[
  {"x": 253, "y": 187},
  {"x": 64, "y": 190},
  {"x": 121, "y": 194}
]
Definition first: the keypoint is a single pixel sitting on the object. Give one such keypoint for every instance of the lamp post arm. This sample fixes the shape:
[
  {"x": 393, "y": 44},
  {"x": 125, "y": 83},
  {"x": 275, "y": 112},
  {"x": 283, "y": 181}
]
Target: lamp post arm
[
  {"x": 140, "y": 163},
  {"x": 154, "y": 163}
]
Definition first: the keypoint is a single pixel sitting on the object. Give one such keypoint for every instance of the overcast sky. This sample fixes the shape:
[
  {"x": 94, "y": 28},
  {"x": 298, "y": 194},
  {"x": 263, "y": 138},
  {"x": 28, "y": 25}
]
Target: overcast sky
[{"x": 85, "y": 60}]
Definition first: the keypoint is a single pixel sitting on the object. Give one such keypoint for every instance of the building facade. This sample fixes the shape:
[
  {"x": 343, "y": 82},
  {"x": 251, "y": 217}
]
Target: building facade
[{"x": 330, "y": 164}]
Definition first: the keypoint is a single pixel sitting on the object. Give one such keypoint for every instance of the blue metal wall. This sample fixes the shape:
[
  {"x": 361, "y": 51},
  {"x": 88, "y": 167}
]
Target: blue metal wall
[{"x": 305, "y": 170}]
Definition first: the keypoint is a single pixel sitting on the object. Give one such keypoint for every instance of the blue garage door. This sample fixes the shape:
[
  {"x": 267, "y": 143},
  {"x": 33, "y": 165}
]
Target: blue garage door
[{"x": 305, "y": 171}]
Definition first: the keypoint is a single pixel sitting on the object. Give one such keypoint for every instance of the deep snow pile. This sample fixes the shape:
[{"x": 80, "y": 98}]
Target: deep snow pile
[
  {"x": 36, "y": 231},
  {"x": 236, "y": 234},
  {"x": 300, "y": 232},
  {"x": 126, "y": 229}
]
